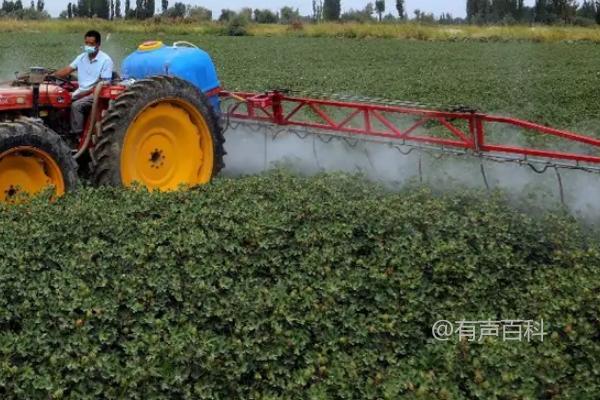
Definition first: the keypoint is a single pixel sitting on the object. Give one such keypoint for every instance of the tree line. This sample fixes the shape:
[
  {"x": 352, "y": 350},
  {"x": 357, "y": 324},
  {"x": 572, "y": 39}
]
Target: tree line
[
  {"x": 543, "y": 11},
  {"x": 144, "y": 9},
  {"x": 586, "y": 12},
  {"x": 30, "y": 10},
  {"x": 11, "y": 6},
  {"x": 109, "y": 9}
]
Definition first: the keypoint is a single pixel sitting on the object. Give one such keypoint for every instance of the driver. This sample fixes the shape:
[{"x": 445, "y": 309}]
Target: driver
[{"x": 92, "y": 66}]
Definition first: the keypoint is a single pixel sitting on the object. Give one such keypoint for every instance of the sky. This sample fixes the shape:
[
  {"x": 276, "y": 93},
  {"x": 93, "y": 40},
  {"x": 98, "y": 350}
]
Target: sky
[{"x": 454, "y": 7}]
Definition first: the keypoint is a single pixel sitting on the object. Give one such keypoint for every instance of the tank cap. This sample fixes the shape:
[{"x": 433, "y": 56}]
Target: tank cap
[{"x": 150, "y": 45}]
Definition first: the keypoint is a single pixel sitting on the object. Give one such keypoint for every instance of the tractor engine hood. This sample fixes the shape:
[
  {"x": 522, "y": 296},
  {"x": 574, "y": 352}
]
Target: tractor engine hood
[{"x": 21, "y": 97}]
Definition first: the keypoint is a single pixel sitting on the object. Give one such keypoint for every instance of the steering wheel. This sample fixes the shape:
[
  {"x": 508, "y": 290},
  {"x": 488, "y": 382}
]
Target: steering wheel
[
  {"x": 65, "y": 83},
  {"x": 52, "y": 78}
]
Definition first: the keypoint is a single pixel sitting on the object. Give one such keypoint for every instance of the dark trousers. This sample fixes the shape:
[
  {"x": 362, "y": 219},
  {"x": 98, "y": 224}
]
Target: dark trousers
[{"x": 79, "y": 110}]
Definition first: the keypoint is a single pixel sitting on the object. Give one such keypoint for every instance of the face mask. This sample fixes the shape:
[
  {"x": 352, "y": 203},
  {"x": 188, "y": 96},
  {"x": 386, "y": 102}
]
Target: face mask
[{"x": 89, "y": 49}]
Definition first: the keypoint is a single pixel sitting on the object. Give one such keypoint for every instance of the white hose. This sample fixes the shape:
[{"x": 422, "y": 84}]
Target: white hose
[{"x": 186, "y": 44}]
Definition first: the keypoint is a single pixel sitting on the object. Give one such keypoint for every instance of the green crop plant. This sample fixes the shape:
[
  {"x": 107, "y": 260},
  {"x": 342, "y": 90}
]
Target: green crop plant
[{"x": 327, "y": 287}]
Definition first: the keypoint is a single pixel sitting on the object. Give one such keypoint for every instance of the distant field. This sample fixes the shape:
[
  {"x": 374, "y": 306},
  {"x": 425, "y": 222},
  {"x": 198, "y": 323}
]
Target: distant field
[
  {"x": 552, "y": 83},
  {"x": 348, "y": 30}
]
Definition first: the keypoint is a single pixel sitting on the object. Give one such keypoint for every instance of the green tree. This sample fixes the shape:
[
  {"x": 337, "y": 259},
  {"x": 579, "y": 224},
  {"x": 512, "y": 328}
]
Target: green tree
[
  {"x": 446, "y": 19},
  {"x": 265, "y": 17},
  {"x": 317, "y": 10},
  {"x": 246, "y": 13},
  {"x": 565, "y": 9},
  {"x": 502, "y": 10},
  {"x": 471, "y": 9},
  {"x": 199, "y": 14},
  {"x": 226, "y": 15},
  {"x": 178, "y": 10},
  {"x": 164, "y": 6},
  {"x": 140, "y": 10},
  {"x": 40, "y": 5},
  {"x": 101, "y": 9},
  {"x": 587, "y": 10},
  {"x": 287, "y": 15},
  {"x": 542, "y": 11},
  {"x": 150, "y": 7},
  {"x": 380, "y": 8},
  {"x": 520, "y": 10},
  {"x": 476, "y": 10},
  {"x": 400, "y": 8},
  {"x": 144, "y": 9},
  {"x": 331, "y": 10},
  {"x": 84, "y": 8},
  {"x": 364, "y": 15}
]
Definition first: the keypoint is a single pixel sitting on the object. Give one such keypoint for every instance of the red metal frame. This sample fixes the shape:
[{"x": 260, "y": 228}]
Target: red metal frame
[{"x": 278, "y": 108}]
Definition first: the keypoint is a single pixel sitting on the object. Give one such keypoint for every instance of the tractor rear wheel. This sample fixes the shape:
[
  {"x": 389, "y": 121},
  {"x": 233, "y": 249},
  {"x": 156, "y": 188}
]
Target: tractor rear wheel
[
  {"x": 161, "y": 133},
  {"x": 32, "y": 158}
]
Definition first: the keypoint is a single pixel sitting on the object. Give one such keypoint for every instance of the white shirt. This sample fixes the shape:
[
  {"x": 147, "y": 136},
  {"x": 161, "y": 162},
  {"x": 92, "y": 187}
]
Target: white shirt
[{"x": 91, "y": 71}]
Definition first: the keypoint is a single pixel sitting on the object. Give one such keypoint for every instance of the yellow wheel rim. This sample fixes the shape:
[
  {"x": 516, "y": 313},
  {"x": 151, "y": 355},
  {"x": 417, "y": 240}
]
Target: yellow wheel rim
[
  {"x": 167, "y": 145},
  {"x": 28, "y": 170}
]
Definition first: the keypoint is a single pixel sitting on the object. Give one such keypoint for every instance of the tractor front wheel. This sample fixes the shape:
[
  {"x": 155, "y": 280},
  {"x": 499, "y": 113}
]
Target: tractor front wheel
[
  {"x": 33, "y": 158},
  {"x": 160, "y": 133}
]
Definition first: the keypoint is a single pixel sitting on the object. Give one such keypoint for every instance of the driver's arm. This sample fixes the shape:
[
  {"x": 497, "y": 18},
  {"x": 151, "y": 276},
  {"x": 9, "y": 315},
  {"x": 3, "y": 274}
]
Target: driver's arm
[
  {"x": 64, "y": 72},
  {"x": 69, "y": 69}
]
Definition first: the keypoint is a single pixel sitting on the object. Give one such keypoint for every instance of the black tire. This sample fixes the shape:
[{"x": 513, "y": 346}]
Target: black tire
[
  {"x": 30, "y": 133},
  {"x": 106, "y": 156}
]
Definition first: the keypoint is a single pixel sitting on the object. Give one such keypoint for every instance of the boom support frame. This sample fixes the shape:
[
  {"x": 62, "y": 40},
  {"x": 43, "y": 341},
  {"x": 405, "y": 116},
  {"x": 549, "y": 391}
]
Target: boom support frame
[{"x": 377, "y": 121}]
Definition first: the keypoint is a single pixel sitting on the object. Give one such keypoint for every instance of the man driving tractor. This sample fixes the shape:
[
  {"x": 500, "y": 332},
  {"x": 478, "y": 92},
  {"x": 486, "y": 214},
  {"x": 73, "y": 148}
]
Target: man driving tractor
[
  {"x": 92, "y": 66},
  {"x": 160, "y": 127}
]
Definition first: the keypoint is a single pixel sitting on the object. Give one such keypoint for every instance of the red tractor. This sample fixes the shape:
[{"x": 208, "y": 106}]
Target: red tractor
[
  {"x": 161, "y": 128},
  {"x": 161, "y": 132}
]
